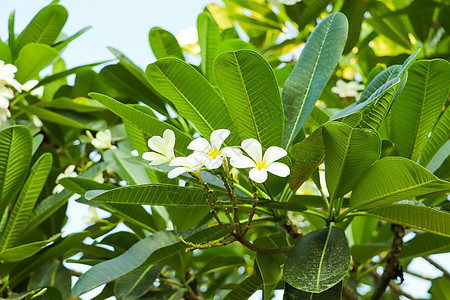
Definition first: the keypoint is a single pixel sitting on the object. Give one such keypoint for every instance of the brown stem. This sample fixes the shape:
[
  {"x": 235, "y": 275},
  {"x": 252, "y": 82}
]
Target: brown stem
[
  {"x": 252, "y": 213},
  {"x": 394, "y": 287},
  {"x": 291, "y": 229},
  {"x": 392, "y": 270},
  {"x": 232, "y": 195},
  {"x": 437, "y": 266},
  {"x": 348, "y": 293},
  {"x": 193, "y": 292},
  {"x": 417, "y": 275}
]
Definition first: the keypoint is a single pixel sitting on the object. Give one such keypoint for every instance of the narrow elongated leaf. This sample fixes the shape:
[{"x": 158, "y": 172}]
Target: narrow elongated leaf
[
  {"x": 380, "y": 79},
  {"x": 173, "y": 195},
  {"x": 349, "y": 153},
  {"x": 416, "y": 216},
  {"x": 392, "y": 179},
  {"x": 209, "y": 39},
  {"x": 415, "y": 112},
  {"x": 193, "y": 96},
  {"x": 164, "y": 44},
  {"x": 354, "y": 10},
  {"x": 306, "y": 157},
  {"x": 333, "y": 293},
  {"x": 44, "y": 28},
  {"x": 25, "y": 203},
  {"x": 312, "y": 71},
  {"x": 145, "y": 252},
  {"x": 424, "y": 244},
  {"x": 439, "y": 136},
  {"x": 137, "y": 283},
  {"x": 318, "y": 261},
  {"x": 147, "y": 124},
  {"x": 24, "y": 251},
  {"x": 246, "y": 288},
  {"x": 60, "y": 45},
  {"x": 15, "y": 156},
  {"x": 32, "y": 59},
  {"x": 306, "y": 11},
  {"x": 251, "y": 92}
]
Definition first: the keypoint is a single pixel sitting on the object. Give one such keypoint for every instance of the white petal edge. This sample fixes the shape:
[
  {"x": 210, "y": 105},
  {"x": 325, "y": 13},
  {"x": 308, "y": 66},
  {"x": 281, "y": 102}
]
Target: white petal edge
[
  {"x": 151, "y": 155},
  {"x": 199, "y": 144},
  {"x": 159, "y": 161},
  {"x": 273, "y": 153},
  {"x": 253, "y": 149},
  {"x": 177, "y": 172},
  {"x": 218, "y": 137},
  {"x": 279, "y": 169},
  {"x": 258, "y": 176},
  {"x": 242, "y": 162},
  {"x": 214, "y": 163},
  {"x": 157, "y": 143},
  {"x": 230, "y": 152}
]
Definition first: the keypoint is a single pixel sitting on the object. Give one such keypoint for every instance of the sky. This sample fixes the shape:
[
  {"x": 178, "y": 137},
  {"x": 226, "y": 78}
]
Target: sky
[{"x": 125, "y": 25}]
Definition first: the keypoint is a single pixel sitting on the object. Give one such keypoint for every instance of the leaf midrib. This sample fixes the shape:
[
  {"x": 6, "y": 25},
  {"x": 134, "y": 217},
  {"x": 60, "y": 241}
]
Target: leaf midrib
[
  {"x": 309, "y": 83},
  {"x": 323, "y": 256},
  {"x": 186, "y": 100}
]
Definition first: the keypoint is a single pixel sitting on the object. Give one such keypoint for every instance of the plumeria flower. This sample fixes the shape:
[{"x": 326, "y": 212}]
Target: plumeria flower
[
  {"x": 163, "y": 147},
  {"x": 345, "y": 90},
  {"x": 214, "y": 155},
  {"x": 7, "y": 75},
  {"x": 68, "y": 172},
  {"x": 260, "y": 164},
  {"x": 5, "y": 94},
  {"x": 191, "y": 163},
  {"x": 27, "y": 86},
  {"x": 188, "y": 40},
  {"x": 285, "y": 2},
  {"x": 102, "y": 139}
]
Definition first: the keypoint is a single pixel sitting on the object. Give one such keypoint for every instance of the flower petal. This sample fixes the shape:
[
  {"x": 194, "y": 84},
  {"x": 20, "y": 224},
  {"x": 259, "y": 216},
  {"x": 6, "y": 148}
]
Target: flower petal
[
  {"x": 178, "y": 161},
  {"x": 157, "y": 143},
  {"x": 151, "y": 155},
  {"x": 230, "y": 152},
  {"x": 242, "y": 162},
  {"x": 169, "y": 138},
  {"x": 196, "y": 159},
  {"x": 177, "y": 172},
  {"x": 253, "y": 149},
  {"x": 279, "y": 169},
  {"x": 218, "y": 136},
  {"x": 214, "y": 163},
  {"x": 273, "y": 153},
  {"x": 258, "y": 175},
  {"x": 159, "y": 161},
  {"x": 199, "y": 144}
]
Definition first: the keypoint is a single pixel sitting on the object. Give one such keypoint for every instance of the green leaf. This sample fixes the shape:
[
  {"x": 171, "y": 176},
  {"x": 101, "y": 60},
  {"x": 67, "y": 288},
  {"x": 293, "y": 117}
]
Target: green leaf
[
  {"x": 131, "y": 173},
  {"x": 251, "y": 93},
  {"x": 392, "y": 179},
  {"x": 362, "y": 253},
  {"x": 415, "y": 112},
  {"x": 424, "y": 244},
  {"x": 32, "y": 59},
  {"x": 60, "y": 45},
  {"x": 15, "y": 157},
  {"x": 333, "y": 293},
  {"x": 416, "y": 216},
  {"x": 80, "y": 104},
  {"x": 306, "y": 11},
  {"x": 438, "y": 137},
  {"x": 306, "y": 157},
  {"x": 354, "y": 11},
  {"x": 11, "y": 34},
  {"x": 145, "y": 123},
  {"x": 349, "y": 152},
  {"x": 380, "y": 79},
  {"x": 24, "y": 251},
  {"x": 5, "y": 52},
  {"x": 318, "y": 261},
  {"x": 220, "y": 263},
  {"x": 209, "y": 39},
  {"x": 439, "y": 288},
  {"x": 234, "y": 45},
  {"x": 164, "y": 44},
  {"x": 193, "y": 96},
  {"x": 136, "y": 284},
  {"x": 25, "y": 203},
  {"x": 45, "y": 27},
  {"x": 173, "y": 195},
  {"x": 145, "y": 252},
  {"x": 312, "y": 71},
  {"x": 246, "y": 288}
]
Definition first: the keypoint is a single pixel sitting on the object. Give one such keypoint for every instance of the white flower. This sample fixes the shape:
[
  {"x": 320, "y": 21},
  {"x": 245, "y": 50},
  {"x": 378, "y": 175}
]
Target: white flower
[
  {"x": 345, "y": 90},
  {"x": 99, "y": 178},
  {"x": 135, "y": 153},
  {"x": 102, "y": 140},
  {"x": 191, "y": 163},
  {"x": 4, "y": 111},
  {"x": 260, "y": 164},
  {"x": 27, "y": 86},
  {"x": 36, "y": 121},
  {"x": 163, "y": 147},
  {"x": 68, "y": 172},
  {"x": 285, "y": 2},
  {"x": 7, "y": 75},
  {"x": 187, "y": 36},
  {"x": 214, "y": 155}
]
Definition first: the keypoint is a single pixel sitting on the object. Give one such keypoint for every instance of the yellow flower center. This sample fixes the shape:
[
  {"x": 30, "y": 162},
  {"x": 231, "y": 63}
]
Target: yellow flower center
[
  {"x": 213, "y": 153},
  {"x": 261, "y": 165}
]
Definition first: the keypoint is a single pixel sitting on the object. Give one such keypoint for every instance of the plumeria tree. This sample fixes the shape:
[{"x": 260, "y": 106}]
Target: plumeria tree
[{"x": 246, "y": 172}]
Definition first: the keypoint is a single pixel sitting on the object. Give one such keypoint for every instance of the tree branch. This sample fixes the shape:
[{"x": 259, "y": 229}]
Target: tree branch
[
  {"x": 437, "y": 266},
  {"x": 348, "y": 293},
  {"x": 392, "y": 270}
]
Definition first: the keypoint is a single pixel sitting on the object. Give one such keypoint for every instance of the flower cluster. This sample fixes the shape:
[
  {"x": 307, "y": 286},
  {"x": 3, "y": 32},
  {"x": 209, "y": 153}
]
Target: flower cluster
[
  {"x": 211, "y": 155},
  {"x": 347, "y": 90},
  {"x": 102, "y": 139},
  {"x": 9, "y": 85}
]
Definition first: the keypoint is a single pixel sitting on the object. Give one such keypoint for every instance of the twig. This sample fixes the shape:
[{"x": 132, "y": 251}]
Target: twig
[
  {"x": 394, "y": 287},
  {"x": 417, "y": 275},
  {"x": 348, "y": 293},
  {"x": 392, "y": 270},
  {"x": 252, "y": 247},
  {"x": 291, "y": 229},
  {"x": 252, "y": 213},
  {"x": 437, "y": 266}
]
